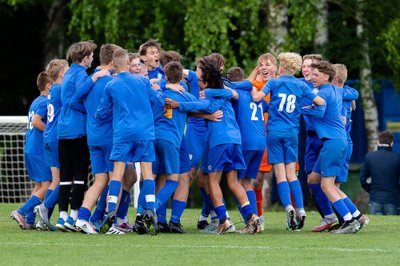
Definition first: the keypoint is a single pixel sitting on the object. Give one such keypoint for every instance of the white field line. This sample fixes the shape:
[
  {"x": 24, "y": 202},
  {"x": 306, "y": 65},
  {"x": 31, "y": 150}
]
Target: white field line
[{"x": 332, "y": 249}]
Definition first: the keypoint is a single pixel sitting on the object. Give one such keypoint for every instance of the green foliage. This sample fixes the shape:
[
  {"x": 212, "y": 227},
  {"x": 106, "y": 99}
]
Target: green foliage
[{"x": 390, "y": 37}]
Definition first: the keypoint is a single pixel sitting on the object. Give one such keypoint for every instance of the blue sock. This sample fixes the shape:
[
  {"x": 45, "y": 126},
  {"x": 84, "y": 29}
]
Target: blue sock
[
  {"x": 350, "y": 205},
  {"x": 221, "y": 213},
  {"x": 295, "y": 188},
  {"x": 48, "y": 193},
  {"x": 251, "y": 195},
  {"x": 83, "y": 214},
  {"x": 113, "y": 193},
  {"x": 30, "y": 217},
  {"x": 284, "y": 193},
  {"x": 29, "y": 205},
  {"x": 209, "y": 202},
  {"x": 177, "y": 209},
  {"x": 124, "y": 204},
  {"x": 52, "y": 200},
  {"x": 166, "y": 192},
  {"x": 162, "y": 213},
  {"x": 149, "y": 189},
  {"x": 205, "y": 211},
  {"x": 341, "y": 208},
  {"x": 321, "y": 199},
  {"x": 247, "y": 211},
  {"x": 101, "y": 206},
  {"x": 239, "y": 207}
]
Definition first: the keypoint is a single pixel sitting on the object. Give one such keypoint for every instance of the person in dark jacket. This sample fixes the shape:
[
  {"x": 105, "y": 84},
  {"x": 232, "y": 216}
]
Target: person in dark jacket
[{"x": 380, "y": 176}]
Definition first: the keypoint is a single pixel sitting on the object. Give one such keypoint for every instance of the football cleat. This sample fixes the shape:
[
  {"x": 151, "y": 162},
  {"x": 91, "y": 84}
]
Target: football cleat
[
  {"x": 85, "y": 227},
  {"x": 16, "y": 216},
  {"x": 176, "y": 228},
  {"x": 348, "y": 227},
  {"x": 107, "y": 222},
  {"x": 70, "y": 224},
  {"x": 150, "y": 222}
]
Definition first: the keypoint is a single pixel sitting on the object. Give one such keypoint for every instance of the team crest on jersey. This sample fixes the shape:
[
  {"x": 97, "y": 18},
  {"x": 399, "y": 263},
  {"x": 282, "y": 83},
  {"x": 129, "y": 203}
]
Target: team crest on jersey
[
  {"x": 209, "y": 167},
  {"x": 190, "y": 156}
]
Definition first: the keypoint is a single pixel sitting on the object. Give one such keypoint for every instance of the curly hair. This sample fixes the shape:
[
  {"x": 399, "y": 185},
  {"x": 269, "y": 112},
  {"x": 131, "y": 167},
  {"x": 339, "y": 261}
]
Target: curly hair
[{"x": 290, "y": 62}]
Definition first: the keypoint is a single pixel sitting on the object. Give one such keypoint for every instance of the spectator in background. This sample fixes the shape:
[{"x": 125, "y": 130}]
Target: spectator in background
[{"x": 379, "y": 176}]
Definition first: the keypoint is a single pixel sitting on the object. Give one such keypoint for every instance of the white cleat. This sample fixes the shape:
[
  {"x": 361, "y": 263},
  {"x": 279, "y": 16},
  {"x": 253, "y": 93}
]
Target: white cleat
[{"x": 85, "y": 227}]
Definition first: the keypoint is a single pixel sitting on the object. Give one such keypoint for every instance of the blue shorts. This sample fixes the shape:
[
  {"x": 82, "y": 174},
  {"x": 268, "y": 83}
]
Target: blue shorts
[
  {"x": 282, "y": 147},
  {"x": 204, "y": 160},
  {"x": 225, "y": 158},
  {"x": 133, "y": 151},
  {"x": 253, "y": 160},
  {"x": 184, "y": 158},
  {"x": 196, "y": 142},
  {"x": 36, "y": 167},
  {"x": 100, "y": 159},
  {"x": 342, "y": 178},
  {"x": 329, "y": 162},
  {"x": 51, "y": 154},
  {"x": 313, "y": 147},
  {"x": 167, "y": 158}
]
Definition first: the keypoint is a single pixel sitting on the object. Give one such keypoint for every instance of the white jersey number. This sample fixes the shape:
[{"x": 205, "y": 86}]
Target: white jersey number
[
  {"x": 30, "y": 117},
  {"x": 254, "y": 107},
  {"x": 289, "y": 100},
  {"x": 50, "y": 112}
]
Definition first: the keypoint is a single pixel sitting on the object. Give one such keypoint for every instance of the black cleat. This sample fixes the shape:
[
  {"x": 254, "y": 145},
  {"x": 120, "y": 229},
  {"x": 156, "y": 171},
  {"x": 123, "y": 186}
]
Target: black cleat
[
  {"x": 176, "y": 228},
  {"x": 202, "y": 224},
  {"x": 107, "y": 222},
  {"x": 139, "y": 225},
  {"x": 162, "y": 228},
  {"x": 150, "y": 222}
]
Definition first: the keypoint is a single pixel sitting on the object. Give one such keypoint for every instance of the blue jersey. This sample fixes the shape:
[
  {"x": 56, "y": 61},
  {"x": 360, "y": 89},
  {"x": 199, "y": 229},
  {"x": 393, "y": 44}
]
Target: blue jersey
[
  {"x": 129, "y": 98},
  {"x": 53, "y": 111},
  {"x": 157, "y": 73},
  {"x": 199, "y": 123},
  {"x": 171, "y": 129},
  {"x": 306, "y": 102},
  {"x": 99, "y": 132},
  {"x": 224, "y": 132},
  {"x": 71, "y": 122},
  {"x": 250, "y": 118},
  {"x": 286, "y": 94},
  {"x": 347, "y": 107},
  {"x": 34, "y": 137},
  {"x": 327, "y": 118}
]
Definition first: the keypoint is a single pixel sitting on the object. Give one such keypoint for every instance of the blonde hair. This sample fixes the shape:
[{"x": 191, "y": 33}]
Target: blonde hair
[
  {"x": 120, "y": 58},
  {"x": 55, "y": 66},
  {"x": 290, "y": 62},
  {"x": 340, "y": 73},
  {"x": 265, "y": 57}
]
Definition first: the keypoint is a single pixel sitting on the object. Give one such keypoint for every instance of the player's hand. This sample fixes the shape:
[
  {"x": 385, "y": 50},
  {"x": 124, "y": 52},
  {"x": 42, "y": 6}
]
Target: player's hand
[
  {"x": 176, "y": 87},
  {"x": 202, "y": 95},
  {"x": 171, "y": 103},
  {"x": 155, "y": 86},
  {"x": 216, "y": 116}
]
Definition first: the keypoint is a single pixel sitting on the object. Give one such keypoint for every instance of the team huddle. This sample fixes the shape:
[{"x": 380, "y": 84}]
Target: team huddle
[{"x": 180, "y": 125}]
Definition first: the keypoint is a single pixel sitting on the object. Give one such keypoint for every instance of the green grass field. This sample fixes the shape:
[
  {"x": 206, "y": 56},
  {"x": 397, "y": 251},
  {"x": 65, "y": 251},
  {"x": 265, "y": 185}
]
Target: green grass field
[{"x": 378, "y": 243}]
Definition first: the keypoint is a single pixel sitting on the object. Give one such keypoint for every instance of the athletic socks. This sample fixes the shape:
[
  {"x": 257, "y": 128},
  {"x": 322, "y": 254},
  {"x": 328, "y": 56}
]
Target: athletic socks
[
  {"x": 51, "y": 199},
  {"x": 166, "y": 192},
  {"x": 78, "y": 193},
  {"x": 321, "y": 200},
  {"x": 297, "y": 193},
  {"x": 149, "y": 194},
  {"x": 343, "y": 211},
  {"x": 30, "y": 217},
  {"x": 29, "y": 205},
  {"x": 113, "y": 193},
  {"x": 259, "y": 200},
  {"x": 177, "y": 209},
  {"x": 162, "y": 213},
  {"x": 101, "y": 206},
  {"x": 205, "y": 211},
  {"x": 124, "y": 204},
  {"x": 284, "y": 193},
  {"x": 74, "y": 214},
  {"x": 246, "y": 210},
  {"x": 352, "y": 208},
  {"x": 221, "y": 213},
  {"x": 83, "y": 214},
  {"x": 251, "y": 195}
]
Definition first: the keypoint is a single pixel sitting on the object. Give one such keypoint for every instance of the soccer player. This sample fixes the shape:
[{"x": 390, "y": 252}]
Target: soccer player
[
  {"x": 71, "y": 130},
  {"x": 129, "y": 98},
  {"x": 250, "y": 118},
  {"x": 135, "y": 66},
  {"x": 283, "y": 123},
  {"x": 330, "y": 129},
  {"x": 149, "y": 54},
  {"x": 225, "y": 154},
  {"x": 56, "y": 69},
  {"x": 99, "y": 138},
  {"x": 35, "y": 163}
]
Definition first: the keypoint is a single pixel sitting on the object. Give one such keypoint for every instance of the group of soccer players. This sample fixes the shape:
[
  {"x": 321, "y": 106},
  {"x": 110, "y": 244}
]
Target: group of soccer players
[{"x": 180, "y": 125}]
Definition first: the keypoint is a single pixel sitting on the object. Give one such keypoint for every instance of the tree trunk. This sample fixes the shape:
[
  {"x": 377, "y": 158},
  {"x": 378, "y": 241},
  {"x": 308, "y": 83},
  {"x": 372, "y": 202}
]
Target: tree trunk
[
  {"x": 277, "y": 21},
  {"x": 321, "y": 35},
  {"x": 367, "y": 95}
]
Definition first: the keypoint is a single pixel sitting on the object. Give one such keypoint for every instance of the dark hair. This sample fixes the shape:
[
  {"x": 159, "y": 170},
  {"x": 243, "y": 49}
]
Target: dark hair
[
  {"x": 218, "y": 59},
  {"x": 173, "y": 71},
  {"x": 326, "y": 68},
  {"x": 314, "y": 57},
  {"x": 210, "y": 73},
  {"x": 235, "y": 74},
  {"x": 42, "y": 80},
  {"x": 166, "y": 57},
  {"x": 385, "y": 137},
  {"x": 80, "y": 50},
  {"x": 149, "y": 43},
  {"x": 106, "y": 53}
]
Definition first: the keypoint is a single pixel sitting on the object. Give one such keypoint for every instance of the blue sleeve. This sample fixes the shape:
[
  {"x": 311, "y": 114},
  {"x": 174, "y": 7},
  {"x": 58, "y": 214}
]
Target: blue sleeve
[
  {"x": 189, "y": 97},
  {"x": 350, "y": 94},
  {"x": 268, "y": 87},
  {"x": 42, "y": 109},
  {"x": 156, "y": 97},
  {"x": 204, "y": 105},
  {"x": 316, "y": 111},
  {"x": 218, "y": 93},
  {"x": 308, "y": 93},
  {"x": 344, "y": 110},
  {"x": 193, "y": 83},
  {"x": 77, "y": 101},
  {"x": 245, "y": 85},
  {"x": 265, "y": 105},
  {"x": 105, "y": 107}
]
